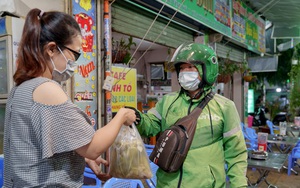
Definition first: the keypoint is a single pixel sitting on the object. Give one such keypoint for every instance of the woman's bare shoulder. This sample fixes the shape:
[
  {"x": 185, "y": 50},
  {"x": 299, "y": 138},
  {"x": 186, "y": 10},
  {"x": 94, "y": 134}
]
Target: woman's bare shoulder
[{"x": 49, "y": 93}]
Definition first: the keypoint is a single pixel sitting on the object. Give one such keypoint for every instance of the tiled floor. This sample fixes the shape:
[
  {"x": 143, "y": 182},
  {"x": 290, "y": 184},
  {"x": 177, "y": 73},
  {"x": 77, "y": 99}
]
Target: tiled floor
[{"x": 279, "y": 179}]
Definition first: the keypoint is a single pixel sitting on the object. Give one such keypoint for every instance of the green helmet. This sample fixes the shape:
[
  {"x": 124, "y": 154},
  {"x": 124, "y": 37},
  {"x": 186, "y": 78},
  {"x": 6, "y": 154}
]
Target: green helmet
[{"x": 200, "y": 55}]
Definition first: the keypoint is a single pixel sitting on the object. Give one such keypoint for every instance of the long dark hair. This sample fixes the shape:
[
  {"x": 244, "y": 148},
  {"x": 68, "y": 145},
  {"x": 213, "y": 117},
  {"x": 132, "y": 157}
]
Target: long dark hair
[{"x": 41, "y": 28}]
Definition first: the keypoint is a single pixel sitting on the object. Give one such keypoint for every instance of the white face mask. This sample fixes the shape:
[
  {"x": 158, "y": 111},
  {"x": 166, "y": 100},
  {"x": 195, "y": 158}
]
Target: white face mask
[
  {"x": 64, "y": 75},
  {"x": 189, "y": 80}
]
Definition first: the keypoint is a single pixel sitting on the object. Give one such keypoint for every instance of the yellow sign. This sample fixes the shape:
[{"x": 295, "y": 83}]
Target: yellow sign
[{"x": 124, "y": 88}]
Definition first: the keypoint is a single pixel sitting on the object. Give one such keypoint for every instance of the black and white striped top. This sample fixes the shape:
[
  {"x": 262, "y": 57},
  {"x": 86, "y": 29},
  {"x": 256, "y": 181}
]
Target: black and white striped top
[{"x": 39, "y": 140}]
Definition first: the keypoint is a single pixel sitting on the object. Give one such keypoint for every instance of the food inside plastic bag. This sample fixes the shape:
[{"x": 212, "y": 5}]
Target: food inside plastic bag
[{"x": 128, "y": 157}]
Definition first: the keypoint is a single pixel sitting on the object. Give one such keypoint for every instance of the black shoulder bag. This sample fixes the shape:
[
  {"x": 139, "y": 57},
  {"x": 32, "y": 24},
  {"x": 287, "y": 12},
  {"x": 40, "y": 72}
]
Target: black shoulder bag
[{"x": 174, "y": 143}]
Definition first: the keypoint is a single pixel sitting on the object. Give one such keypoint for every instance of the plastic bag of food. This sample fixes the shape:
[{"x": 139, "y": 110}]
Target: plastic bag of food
[{"x": 128, "y": 157}]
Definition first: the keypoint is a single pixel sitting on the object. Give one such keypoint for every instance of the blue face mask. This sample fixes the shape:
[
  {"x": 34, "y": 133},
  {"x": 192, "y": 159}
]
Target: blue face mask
[
  {"x": 189, "y": 80},
  {"x": 60, "y": 76}
]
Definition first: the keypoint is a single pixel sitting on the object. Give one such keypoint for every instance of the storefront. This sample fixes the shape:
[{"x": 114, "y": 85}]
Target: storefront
[
  {"x": 233, "y": 20},
  {"x": 161, "y": 36},
  {"x": 175, "y": 22}
]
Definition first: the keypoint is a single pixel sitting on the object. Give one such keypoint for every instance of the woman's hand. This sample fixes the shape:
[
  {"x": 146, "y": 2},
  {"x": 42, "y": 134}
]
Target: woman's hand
[
  {"x": 138, "y": 116},
  {"x": 95, "y": 167},
  {"x": 128, "y": 116}
]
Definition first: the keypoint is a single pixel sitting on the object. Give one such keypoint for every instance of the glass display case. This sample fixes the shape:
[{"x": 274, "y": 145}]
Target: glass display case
[
  {"x": 2, "y": 115},
  {"x": 5, "y": 66},
  {"x": 10, "y": 35}
]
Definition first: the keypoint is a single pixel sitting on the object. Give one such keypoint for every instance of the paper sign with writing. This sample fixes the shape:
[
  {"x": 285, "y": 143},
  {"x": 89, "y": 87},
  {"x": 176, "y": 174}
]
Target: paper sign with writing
[{"x": 124, "y": 88}]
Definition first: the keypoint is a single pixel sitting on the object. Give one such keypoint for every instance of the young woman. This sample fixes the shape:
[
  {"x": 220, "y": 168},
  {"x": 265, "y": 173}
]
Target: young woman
[{"x": 47, "y": 137}]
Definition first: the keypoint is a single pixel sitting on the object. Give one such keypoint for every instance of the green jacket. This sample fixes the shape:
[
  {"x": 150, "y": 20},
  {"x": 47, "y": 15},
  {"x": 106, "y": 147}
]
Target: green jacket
[{"x": 212, "y": 146}]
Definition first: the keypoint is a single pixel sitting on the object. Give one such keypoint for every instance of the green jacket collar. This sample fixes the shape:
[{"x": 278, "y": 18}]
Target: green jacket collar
[{"x": 185, "y": 96}]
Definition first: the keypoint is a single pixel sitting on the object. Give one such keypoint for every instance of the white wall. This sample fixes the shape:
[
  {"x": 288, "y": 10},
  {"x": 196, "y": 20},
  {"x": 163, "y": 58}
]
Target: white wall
[
  {"x": 22, "y": 7},
  {"x": 151, "y": 56},
  {"x": 235, "y": 92},
  {"x": 238, "y": 98},
  {"x": 143, "y": 66}
]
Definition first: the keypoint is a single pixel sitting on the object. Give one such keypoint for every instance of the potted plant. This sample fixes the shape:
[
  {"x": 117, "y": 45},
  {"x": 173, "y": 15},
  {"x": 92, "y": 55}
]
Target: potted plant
[
  {"x": 249, "y": 78},
  {"x": 226, "y": 69},
  {"x": 295, "y": 90},
  {"x": 121, "y": 50},
  {"x": 247, "y": 75}
]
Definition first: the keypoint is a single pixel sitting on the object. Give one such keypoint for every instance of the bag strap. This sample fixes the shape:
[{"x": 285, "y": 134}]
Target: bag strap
[
  {"x": 195, "y": 114},
  {"x": 197, "y": 111}
]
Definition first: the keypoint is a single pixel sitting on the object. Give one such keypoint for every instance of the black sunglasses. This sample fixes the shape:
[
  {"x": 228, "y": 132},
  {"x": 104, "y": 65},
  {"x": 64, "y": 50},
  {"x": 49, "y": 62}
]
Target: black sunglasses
[{"x": 76, "y": 54}]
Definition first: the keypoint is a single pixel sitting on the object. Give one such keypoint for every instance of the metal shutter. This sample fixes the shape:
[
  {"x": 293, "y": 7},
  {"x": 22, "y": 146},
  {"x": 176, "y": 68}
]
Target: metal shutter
[
  {"x": 134, "y": 21},
  {"x": 223, "y": 51}
]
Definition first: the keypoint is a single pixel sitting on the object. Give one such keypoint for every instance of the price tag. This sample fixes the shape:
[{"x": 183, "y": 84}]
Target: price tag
[{"x": 108, "y": 83}]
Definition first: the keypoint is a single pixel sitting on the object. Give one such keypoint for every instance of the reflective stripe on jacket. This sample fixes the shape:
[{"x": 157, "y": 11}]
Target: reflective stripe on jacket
[{"x": 212, "y": 146}]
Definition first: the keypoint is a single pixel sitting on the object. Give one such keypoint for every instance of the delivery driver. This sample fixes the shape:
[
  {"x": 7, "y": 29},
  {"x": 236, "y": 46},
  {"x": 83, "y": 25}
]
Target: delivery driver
[{"x": 218, "y": 139}]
